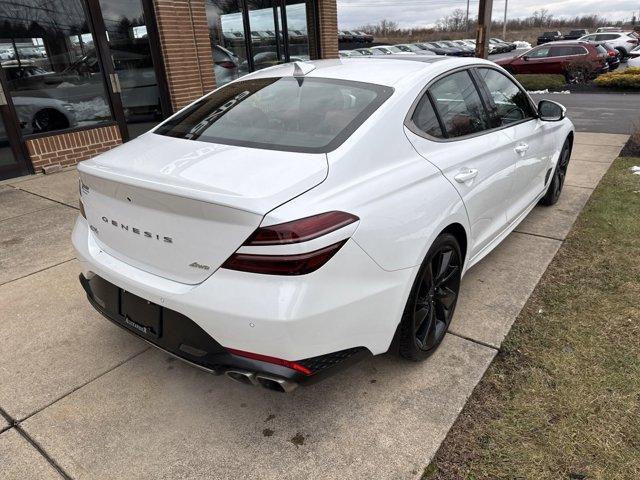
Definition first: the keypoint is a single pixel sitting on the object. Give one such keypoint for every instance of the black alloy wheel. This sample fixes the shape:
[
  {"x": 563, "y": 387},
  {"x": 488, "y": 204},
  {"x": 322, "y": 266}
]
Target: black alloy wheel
[
  {"x": 432, "y": 302},
  {"x": 560, "y": 173}
]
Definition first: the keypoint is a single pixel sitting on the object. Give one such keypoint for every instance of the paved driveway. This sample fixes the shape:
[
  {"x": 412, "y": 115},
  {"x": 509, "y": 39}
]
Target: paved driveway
[{"x": 82, "y": 399}]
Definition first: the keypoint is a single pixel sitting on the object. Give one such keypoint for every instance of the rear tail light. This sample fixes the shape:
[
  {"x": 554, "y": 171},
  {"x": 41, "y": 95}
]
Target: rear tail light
[
  {"x": 276, "y": 361},
  {"x": 226, "y": 64},
  {"x": 300, "y": 230},
  {"x": 288, "y": 233},
  {"x": 294, "y": 264}
]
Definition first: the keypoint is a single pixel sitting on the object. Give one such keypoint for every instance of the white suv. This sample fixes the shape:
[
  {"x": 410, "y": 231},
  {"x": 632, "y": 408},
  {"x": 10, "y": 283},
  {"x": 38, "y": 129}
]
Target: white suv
[{"x": 624, "y": 42}]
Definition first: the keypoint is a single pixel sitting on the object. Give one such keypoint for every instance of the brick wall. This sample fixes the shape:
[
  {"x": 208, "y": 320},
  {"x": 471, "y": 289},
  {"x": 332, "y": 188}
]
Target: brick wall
[
  {"x": 71, "y": 148},
  {"x": 186, "y": 50},
  {"x": 328, "y": 13}
]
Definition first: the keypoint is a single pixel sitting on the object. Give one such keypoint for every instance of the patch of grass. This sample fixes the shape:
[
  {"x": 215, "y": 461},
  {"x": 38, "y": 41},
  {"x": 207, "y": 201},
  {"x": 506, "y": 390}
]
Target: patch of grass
[
  {"x": 536, "y": 82},
  {"x": 562, "y": 398},
  {"x": 625, "y": 79}
]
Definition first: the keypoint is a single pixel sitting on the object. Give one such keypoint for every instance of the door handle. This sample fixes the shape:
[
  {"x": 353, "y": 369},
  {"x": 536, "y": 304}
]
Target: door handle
[
  {"x": 465, "y": 175},
  {"x": 521, "y": 149}
]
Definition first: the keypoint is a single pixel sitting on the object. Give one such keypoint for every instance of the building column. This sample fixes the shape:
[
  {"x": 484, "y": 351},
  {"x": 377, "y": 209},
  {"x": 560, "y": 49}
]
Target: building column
[
  {"x": 186, "y": 49},
  {"x": 328, "y": 20}
]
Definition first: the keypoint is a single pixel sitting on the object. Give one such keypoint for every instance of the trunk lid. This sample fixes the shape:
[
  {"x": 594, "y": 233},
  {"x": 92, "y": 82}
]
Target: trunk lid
[{"x": 179, "y": 208}]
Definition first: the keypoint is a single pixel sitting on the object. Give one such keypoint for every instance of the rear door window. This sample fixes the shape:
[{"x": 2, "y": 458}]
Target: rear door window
[
  {"x": 312, "y": 115},
  {"x": 425, "y": 118},
  {"x": 459, "y": 105},
  {"x": 541, "y": 52}
]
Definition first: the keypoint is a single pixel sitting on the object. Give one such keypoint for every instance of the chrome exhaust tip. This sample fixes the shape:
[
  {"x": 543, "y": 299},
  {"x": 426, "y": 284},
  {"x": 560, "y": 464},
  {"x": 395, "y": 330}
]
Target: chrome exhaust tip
[
  {"x": 276, "y": 384},
  {"x": 248, "y": 378}
]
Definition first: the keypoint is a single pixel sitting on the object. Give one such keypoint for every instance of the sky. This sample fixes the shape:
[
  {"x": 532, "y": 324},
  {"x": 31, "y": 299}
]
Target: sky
[{"x": 420, "y": 13}]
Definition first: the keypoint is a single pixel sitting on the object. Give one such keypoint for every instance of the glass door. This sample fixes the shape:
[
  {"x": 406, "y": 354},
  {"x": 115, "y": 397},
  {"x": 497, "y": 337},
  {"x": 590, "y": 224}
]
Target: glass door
[
  {"x": 135, "y": 61},
  {"x": 12, "y": 158},
  {"x": 265, "y": 31}
]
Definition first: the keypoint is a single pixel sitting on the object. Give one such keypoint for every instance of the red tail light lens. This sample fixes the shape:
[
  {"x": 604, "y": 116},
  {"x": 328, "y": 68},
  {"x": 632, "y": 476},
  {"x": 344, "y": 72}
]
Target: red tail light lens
[
  {"x": 226, "y": 64},
  {"x": 295, "y": 264},
  {"x": 276, "y": 361},
  {"x": 300, "y": 230}
]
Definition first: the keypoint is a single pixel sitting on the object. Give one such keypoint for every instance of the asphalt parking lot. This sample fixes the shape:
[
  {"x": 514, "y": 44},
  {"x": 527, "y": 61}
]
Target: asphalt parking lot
[{"x": 82, "y": 399}]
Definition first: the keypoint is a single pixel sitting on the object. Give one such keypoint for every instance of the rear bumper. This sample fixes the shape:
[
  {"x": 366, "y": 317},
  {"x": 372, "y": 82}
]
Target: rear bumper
[
  {"x": 181, "y": 337},
  {"x": 348, "y": 303}
]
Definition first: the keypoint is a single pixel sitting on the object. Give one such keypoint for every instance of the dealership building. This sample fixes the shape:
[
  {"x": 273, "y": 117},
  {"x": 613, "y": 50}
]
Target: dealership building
[{"x": 81, "y": 76}]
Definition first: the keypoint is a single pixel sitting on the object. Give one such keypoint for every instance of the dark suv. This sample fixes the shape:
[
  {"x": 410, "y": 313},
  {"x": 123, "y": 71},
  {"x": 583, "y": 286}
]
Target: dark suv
[
  {"x": 564, "y": 58},
  {"x": 547, "y": 37}
]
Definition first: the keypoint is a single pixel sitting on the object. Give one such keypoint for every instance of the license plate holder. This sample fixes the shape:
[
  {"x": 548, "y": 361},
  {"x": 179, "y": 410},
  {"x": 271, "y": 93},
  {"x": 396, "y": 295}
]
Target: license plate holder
[{"x": 140, "y": 315}]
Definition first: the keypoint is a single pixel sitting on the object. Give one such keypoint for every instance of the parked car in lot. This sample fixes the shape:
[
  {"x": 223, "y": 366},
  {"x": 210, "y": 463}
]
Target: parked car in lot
[
  {"x": 427, "y": 47},
  {"x": 575, "y": 34},
  {"x": 388, "y": 50},
  {"x": 364, "y": 51},
  {"x": 510, "y": 46},
  {"x": 411, "y": 48},
  {"x": 344, "y": 36},
  {"x": 349, "y": 53},
  {"x": 368, "y": 38},
  {"x": 562, "y": 58},
  {"x": 491, "y": 48},
  {"x": 313, "y": 214},
  {"x": 623, "y": 42},
  {"x": 225, "y": 65},
  {"x": 467, "y": 50},
  {"x": 547, "y": 37},
  {"x": 613, "y": 56}
]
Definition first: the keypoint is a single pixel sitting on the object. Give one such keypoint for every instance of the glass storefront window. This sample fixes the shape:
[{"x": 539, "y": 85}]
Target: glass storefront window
[
  {"x": 226, "y": 32},
  {"x": 130, "y": 54},
  {"x": 267, "y": 36},
  {"x": 298, "y": 29},
  {"x": 51, "y": 68}
]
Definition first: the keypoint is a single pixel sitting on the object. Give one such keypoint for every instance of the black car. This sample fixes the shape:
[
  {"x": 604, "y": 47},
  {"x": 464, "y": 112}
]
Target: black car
[
  {"x": 453, "y": 51},
  {"x": 466, "y": 51},
  {"x": 344, "y": 36},
  {"x": 510, "y": 46},
  {"x": 547, "y": 37},
  {"x": 576, "y": 34},
  {"x": 431, "y": 48},
  {"x": 368, "y": 38},
  {"x": 613, "y": 55}
]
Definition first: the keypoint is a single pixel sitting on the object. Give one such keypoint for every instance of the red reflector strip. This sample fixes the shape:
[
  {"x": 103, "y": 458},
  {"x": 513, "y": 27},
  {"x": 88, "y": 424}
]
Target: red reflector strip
[
  {"x": 295, "y": 264},
  {"x": 276, "y": 361}
]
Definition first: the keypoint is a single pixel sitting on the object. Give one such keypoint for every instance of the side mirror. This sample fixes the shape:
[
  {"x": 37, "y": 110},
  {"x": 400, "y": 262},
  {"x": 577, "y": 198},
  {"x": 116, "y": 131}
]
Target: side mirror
[{"x": 549, "y": 111}]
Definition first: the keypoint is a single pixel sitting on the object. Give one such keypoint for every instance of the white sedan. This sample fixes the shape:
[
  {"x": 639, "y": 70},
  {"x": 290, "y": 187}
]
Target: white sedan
[{"x": 311, "y": 214}]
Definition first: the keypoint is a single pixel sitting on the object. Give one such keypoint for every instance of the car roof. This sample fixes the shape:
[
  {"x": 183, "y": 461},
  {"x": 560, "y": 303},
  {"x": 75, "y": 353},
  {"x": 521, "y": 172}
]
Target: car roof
[{"x": 377, "y": 68}]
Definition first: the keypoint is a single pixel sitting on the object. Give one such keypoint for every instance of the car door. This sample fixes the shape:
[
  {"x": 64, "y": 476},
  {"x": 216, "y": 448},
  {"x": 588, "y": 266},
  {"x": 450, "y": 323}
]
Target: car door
[
  {"x": 511, "y": 110},
  {"x": 536, "y": 60},
  {"x": 449, "y": 126}
]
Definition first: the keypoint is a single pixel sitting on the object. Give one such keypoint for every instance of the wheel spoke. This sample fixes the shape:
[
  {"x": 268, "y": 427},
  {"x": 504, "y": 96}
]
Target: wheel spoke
[
  {"x": 443, "y": 264},
  {"x": 423, "y": 332},
  {"x": 448, "y": 276},
  {"x": 446, "y": 297}
]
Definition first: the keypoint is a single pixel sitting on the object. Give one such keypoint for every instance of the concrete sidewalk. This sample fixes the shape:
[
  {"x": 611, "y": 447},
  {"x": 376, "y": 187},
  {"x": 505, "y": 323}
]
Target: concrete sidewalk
[{"x": 83, "y": 399}]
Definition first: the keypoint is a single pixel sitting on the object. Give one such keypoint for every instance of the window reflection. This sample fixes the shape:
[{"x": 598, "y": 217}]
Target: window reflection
[
  {"x": 226, "y": 32},
  {"x": 49, "y": 61},
  {"x": 267, "y": 38},
  {"x": 131, "y": 55}
]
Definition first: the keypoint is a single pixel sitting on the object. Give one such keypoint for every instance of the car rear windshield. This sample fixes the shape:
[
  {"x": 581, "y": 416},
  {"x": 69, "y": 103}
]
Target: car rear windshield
[{"x": 311, "y": 115}]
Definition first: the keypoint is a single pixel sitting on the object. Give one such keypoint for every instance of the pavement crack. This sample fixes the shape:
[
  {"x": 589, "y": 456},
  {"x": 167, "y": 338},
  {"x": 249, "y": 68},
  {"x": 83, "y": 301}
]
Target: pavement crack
[
  {"x": 478, "y": 342},
  {"x": 37, "y": 271},
  {"x": 78, "y": 387}
]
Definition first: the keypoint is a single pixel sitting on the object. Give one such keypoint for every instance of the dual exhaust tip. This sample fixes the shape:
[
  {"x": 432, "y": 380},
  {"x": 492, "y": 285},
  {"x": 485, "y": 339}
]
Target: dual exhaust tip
[{"x": 270, "y": 383}]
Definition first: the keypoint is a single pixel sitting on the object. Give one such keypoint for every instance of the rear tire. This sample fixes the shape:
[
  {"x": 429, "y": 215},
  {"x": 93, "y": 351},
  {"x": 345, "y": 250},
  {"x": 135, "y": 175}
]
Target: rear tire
[
  {"x": 559, "y": 174},
  {"x": 432, "y": 301}
]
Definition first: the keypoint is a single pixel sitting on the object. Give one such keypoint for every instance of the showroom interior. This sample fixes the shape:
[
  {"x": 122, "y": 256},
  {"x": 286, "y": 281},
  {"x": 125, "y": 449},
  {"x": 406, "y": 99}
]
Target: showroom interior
[{"x": 79, "y": 77}]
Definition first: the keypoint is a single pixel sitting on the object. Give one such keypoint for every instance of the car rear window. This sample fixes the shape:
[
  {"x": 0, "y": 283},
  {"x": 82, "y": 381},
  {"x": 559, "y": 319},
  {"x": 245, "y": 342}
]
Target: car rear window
[{"x": 311, "y": 115}]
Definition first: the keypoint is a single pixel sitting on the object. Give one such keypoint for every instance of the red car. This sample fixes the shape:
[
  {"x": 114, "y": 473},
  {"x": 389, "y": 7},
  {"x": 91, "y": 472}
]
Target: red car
[{"x": 560, "y": 58}]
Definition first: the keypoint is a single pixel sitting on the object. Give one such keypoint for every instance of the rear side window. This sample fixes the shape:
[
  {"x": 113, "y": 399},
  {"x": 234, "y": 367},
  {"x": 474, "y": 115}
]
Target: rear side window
[
  {"x": 566, "y": 50},
  {"x": 541, "y": 52},
  {"x": 311, "y": 115},
  {"x": 459, "y": 105},
  {"x": 425, "y": 118},
  {"x": 509, "y": 103}
]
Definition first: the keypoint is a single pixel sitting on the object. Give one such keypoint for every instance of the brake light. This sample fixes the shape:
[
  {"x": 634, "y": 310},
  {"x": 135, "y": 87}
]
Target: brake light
[
  {"x": 300, "y": 230},
  {"x": 613, "y": 54},
  {"x": 294, "y": 264},
  {"x": 226, "y": 64},
  {"x": 276, "y": 361}
]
